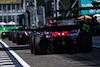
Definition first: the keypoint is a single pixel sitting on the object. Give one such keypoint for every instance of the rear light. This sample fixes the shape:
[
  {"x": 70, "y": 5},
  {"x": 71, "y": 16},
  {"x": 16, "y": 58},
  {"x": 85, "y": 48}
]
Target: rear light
[
  {"x": 65, "y": 33},
  {"x": 4, "y": 34},
  {"x": 54, "y": 34},
  {"x": 62, "y": 33},
  {"x": 59, "y": 33},
  {"x": 25, "y": 33}
]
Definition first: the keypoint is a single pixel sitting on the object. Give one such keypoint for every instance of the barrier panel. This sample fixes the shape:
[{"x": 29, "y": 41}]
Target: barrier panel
[{"x": 7, "y": 29}]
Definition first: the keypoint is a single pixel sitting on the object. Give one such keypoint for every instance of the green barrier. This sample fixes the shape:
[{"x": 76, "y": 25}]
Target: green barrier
[
  {"x": 98, "y": 26},
  {"x": 7, "y": 29}
]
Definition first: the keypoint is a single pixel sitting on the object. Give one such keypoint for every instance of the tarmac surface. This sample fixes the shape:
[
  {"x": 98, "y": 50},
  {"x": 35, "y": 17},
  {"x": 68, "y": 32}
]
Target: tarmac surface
[{"x": 7, "y": 59}]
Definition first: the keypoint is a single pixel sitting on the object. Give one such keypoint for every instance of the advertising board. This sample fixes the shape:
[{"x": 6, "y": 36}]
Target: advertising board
[
  {"x": 7, "y": 29},
  {"x": 10, "y": 1},
  {"x": 88, "y": 3}
]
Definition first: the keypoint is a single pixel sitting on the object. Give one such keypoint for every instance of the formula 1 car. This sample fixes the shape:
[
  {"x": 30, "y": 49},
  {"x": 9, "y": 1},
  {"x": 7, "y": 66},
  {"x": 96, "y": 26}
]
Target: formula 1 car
[
  {"x": 60, "y": 39},
  {"x": 20, "y": 36},
  {"x": 12, "y": 35},
  {"x": 23, "y": 37},
  {"x": 4, "y": 35}
]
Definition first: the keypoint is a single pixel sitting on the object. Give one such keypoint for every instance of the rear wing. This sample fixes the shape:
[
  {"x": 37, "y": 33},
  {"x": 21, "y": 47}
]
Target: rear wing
[
  {"x": 51, "y": 28},
  {"x": 60, "y": 28},
  {"x": 25, "y": 29}
]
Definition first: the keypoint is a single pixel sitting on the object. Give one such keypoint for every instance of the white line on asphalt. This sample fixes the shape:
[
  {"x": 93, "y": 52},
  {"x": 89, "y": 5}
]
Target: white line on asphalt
[{"x": 21, "y": 61}]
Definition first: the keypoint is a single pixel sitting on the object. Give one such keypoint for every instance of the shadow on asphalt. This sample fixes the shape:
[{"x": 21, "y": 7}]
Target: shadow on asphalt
[
  {"x": 3, "y": 49},
  {"x": 15, "y": 48},
  {"x": 89, "y": 59},
  {"x": 20, "y": 48}
]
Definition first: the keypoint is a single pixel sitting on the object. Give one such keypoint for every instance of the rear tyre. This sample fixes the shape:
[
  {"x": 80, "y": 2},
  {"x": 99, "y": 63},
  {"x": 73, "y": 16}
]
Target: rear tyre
[
  {"x": 2, "y": 36},
  {"x": 9, "y": 37},
  {"x": 20, "y": 40},
  {"x": 14, "y": 38},
  {"x": 40, "y": 45},
  {"x": 85, "y": 42},
  {"x": 32, "y": 44}
]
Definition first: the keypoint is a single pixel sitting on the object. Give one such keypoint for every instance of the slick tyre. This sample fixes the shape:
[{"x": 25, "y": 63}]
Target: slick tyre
[
  {"x": 9, "y": 37},
  {"x": 32, "y": 44},
  {"x": 2, "y": 36},
  {"x": 40, "y": 45},
  {"x": 14, "y": 38},
  {"x": 20, "y": 40},
  {"x": 85, "y": 42}
]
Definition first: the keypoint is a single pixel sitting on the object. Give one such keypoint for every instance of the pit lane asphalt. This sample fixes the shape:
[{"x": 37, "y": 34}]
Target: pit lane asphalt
[{"x": 56, "y": 60}]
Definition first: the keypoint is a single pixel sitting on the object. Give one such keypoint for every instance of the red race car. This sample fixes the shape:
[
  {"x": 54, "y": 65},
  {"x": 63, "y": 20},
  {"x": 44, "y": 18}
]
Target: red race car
[{"x": 58, "y": 39}]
